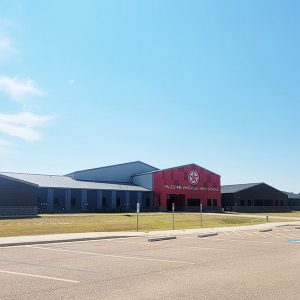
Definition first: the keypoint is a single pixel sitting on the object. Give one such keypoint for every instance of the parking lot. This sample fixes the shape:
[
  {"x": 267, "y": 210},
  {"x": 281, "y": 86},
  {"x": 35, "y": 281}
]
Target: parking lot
[{"x": 231, "y": 265}]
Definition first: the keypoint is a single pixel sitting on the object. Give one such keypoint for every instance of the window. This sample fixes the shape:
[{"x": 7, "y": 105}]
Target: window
[
  {"x": 215, "y": 202},
  {"x": 158, "y": 200},
  {"x": 73, "y": 202},
  {"x": 249, "y": 203},
  {"x": 242, "y": 202},
  {"x": 193, "y": 202},
  {"x": 208, "y": 202},
  {"x": 258, "y": 202},
  {"x": 118, "y": 202},
  {"x": 276, "y": 202},
  {"x": 281, "y": 203},
  {"x": 104, "y": 202},
  {"x": 268, "y": 202},
  {"x": 147, "y": 202}
]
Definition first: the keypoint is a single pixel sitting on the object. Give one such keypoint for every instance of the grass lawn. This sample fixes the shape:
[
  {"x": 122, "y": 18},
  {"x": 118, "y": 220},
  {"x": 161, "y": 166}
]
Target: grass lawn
[{"x": 75, "y": 223}]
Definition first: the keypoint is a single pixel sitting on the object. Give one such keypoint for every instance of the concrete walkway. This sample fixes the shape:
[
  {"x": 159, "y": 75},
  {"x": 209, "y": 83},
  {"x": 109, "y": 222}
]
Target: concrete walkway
[
  {"x": 72, "y": 237},
  {"x": 252, "y": 215}
]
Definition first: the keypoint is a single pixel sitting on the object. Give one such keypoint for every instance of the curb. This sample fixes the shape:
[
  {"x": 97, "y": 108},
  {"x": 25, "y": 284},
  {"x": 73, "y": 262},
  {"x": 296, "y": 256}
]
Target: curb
[
  {"x": 265, "y": 230},
  {"x": 162, "y": 238},
  {"x": 207, "y": 234},
  {"x": 62, "y": 241}
]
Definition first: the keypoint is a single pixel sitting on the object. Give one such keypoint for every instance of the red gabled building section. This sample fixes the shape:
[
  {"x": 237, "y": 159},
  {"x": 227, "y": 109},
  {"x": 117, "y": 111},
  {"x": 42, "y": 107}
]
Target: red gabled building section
[{"x": 186, "y": 186}]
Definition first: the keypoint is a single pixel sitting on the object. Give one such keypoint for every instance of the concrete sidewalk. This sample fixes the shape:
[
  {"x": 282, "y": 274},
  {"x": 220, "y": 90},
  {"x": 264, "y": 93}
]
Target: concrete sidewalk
[
  {"x": 72, "y": 237},
  {"x": 253, "y": 215}
]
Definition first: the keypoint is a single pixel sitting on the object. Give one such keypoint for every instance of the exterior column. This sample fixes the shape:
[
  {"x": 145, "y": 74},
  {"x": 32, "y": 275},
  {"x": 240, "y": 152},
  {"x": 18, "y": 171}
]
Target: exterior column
[
  {"x": 68, "y": 200},
  {"x": 50, "y": 196},
  {"x": 127, "y": 201},
  {"x": 151, "y": 197},
  {"x": 185, "y": 203},
  {"x": 99, "y": 200},
  {"x": 113, "y": 199},
  {"x": 83, "y": 200}
]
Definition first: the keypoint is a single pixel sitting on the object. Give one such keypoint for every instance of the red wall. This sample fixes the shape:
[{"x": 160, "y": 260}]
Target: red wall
[{"x": 175, "y": 181}]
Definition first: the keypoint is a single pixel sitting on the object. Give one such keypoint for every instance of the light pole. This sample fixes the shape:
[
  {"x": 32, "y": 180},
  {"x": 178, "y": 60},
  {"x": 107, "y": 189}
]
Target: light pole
[
  {"x": 137, "y": 215},
  {"x": 201, "y": 214},
  {"x": 173, "y": 209}
]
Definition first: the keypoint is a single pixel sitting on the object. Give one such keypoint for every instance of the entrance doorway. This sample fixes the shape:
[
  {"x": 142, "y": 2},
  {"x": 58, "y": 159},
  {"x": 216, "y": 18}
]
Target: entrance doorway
[{"x": 179, "y": 201}]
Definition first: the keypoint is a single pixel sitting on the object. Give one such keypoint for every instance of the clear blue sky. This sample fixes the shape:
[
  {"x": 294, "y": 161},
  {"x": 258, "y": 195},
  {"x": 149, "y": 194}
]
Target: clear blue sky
[{"x": 92, "y": 83}]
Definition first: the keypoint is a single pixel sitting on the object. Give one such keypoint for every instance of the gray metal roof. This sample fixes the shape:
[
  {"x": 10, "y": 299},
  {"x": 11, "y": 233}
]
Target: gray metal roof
[
  {"x": 293, "y": 195},
  {"x": 56, "y": 181},
  {"x": 111, "y": 166},
  {"x": 234, "y": 188}
]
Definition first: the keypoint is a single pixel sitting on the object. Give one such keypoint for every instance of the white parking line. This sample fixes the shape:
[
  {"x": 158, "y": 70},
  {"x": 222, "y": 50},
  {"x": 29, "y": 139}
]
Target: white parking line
[
  {"x": 290, "y": 234},
  {"x": 246, "y": 241},
  {"x": 284, "y": 235},
  {"x": 161, "y": 246},
  {"x": 237, "y": 233},
  {"x": 39, "y": 276},
  {"x": 272, "y": 235},
  {"x": 281, "y": 229},
  {"x": 114, "y": 255},
  {"x": 260, "y": 234},
  {"x": 247, "y": 233}
]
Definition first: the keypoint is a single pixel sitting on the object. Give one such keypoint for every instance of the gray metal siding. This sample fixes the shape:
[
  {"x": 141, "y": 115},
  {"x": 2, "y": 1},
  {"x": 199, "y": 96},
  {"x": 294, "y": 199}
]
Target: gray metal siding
[
  {"x": 118, "y": 173},
  {"x": 145, "y": 181},
  {"x": 14, "y": 193}
]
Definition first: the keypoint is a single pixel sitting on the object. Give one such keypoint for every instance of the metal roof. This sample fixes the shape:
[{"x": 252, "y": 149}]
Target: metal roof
[
  {"x": 56, "y": 181},
  {"x": 234, "y": 188},
  {"x": 111, "y": 166},
  {"x": 293, "y": 195}
]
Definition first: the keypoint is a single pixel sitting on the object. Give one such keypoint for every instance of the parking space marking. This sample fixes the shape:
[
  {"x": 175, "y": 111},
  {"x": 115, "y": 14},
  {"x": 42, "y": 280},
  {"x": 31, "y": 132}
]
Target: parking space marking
[
  {"x": 39, "y": 276},
  {"x": 161, "y": 246},
  {"x": 260, "y": 234},
  {"x": 272, "y": 235},
  {"x": 275, "y": 234},
  {"x": 290, "y": 236},
  {"x": 16, "y": 262},
  {"x": 246, "y": 241},
  {"x": 247, "y": 233},
  {"x": 113, "y": 255},
  {"x": 236, "y": 232},
  {"x": 284, "y": 235}
]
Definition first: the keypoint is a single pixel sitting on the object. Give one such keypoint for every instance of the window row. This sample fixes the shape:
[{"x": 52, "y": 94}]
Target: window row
[{"x": 260, "y": 202}]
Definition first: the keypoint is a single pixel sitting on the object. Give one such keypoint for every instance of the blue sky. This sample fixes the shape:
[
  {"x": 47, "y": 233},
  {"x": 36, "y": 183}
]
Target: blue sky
[{"x": 92, "y": 83}]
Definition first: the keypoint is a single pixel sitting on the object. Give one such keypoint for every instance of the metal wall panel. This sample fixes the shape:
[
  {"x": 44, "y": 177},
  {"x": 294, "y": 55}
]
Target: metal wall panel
[
  {"x": 118, "y": 173},
  {"x": 14, "y": 193},
  {"x": 145, "y": 180}
]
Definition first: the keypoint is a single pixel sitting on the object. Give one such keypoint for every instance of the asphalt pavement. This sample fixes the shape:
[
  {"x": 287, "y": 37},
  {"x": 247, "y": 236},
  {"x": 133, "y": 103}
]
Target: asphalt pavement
[{"x": 234, "y": 264}]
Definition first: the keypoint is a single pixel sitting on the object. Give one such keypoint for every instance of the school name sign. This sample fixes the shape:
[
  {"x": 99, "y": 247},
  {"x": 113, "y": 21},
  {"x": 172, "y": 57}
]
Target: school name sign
[{"x": 191, "y": 188}]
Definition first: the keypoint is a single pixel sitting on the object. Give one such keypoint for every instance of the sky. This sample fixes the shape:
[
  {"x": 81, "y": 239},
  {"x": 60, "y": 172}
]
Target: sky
[{"x": 85, "y": 84}]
